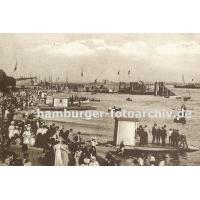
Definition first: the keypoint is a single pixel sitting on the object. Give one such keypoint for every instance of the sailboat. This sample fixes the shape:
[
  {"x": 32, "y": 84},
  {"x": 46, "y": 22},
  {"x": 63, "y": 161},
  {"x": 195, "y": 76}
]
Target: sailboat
[{"x": 186, "y": 98}]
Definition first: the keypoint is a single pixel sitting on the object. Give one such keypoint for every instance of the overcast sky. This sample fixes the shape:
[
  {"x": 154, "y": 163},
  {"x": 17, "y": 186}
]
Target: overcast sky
[{"x": 149, "y": 57}]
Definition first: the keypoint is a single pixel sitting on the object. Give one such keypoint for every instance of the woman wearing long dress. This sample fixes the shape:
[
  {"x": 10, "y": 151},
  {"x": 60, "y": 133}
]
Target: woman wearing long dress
[
  {"x": 65, "y": 154},
  {"x": 58, "y": 155},
  {"x": 61, "y": 154}
]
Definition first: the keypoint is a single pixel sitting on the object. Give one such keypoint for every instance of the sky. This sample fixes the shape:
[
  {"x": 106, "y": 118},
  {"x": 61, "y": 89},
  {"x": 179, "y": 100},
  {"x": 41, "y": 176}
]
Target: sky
[{"x": 149, "y": 57}]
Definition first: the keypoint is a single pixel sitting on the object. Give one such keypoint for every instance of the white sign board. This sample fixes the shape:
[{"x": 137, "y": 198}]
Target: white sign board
[
  {"x": 125, "y": 131},
  {"x": 60, "y": 102},
  {"x": 49, "y": 100}
]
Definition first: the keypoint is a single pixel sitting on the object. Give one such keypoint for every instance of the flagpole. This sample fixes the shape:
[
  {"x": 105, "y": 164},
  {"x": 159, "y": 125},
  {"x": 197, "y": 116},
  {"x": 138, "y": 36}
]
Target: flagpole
[
  {"x": 81, "y": 80},
  {"x": 129, "y": 73}
]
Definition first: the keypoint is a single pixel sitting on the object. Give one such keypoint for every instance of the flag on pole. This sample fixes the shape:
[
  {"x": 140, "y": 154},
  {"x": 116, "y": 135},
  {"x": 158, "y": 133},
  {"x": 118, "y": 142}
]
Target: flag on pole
[
  {"x": 129, "y": 72},
  {"x": 81, "y": 73},
  {"x": 15, "y": 67},
  {"x": 118, "y": 72}
]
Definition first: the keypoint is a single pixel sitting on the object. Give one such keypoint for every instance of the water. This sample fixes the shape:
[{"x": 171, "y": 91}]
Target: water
[{"x": 103, "y": 128}]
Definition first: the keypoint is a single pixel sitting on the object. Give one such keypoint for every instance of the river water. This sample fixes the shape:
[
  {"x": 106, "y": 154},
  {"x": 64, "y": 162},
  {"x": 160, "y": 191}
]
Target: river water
[{"x": 103, "y": 128}]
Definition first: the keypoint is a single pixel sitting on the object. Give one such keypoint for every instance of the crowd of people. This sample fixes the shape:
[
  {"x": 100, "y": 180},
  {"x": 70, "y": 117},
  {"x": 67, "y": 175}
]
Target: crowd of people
[
  {"x": 12, "y": 102},
  {"x": 62, "y": 147},
  {"x": 160, "y": 135}
]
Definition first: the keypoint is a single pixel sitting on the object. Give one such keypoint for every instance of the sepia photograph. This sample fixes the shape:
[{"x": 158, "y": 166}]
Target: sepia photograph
[{"x": 99, "y": 99}]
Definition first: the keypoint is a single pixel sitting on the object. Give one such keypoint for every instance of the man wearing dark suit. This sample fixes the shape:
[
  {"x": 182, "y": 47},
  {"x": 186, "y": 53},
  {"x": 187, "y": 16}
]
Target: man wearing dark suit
[
  {"x": 154, "y": 132},
  {"x": 163, "y": 135}
]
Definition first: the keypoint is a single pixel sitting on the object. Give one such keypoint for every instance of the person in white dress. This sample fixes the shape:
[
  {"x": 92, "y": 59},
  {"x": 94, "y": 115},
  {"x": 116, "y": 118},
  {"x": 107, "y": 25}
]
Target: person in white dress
[
  {"x": 61, "y": 154},
  {"x": 27, "y": 135},
  {"x": 58, "y": 155},
  {"x": 11, "y": 130}
]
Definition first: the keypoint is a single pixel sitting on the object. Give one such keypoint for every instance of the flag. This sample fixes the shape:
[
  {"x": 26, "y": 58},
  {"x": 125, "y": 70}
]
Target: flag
[
  {"x": 118, "y": 72},
  {"x": 15, "y": 67},
  {"x": 129, "y": 72},
  {"x": 81, "y": 74}
]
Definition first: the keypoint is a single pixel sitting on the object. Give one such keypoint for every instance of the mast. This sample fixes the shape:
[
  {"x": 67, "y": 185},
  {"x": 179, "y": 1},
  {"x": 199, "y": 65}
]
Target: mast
[{"x": 183, "y": 79}]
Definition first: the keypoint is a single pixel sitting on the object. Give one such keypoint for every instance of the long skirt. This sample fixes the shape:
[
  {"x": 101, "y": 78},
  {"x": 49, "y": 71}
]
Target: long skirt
[
  {"x": 58, "y": 158},
  {"x": 65, "y": 158}
]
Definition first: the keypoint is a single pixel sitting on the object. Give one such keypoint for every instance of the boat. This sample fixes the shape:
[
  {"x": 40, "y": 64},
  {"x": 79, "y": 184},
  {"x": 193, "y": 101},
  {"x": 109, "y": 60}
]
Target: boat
[
  {"x": 181, "y": 120},
  {"x": 129, "y": 99},
  {"x": 165, "y": 149},
  {"x": 191, "y": 85},
  {"x": 186, "y": 98},
  {"x": 188, "y": 86},
  {"x": 81, "y": 102},
  {"x": 95, "y": 100},
  {"x": 114, "y": 109}
]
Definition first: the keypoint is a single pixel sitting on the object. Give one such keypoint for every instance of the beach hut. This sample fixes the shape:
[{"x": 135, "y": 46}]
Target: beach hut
[
  {"x": 49, "y": 100},
  {"x": 60, "y": 102},
  {"x": 125, "y": 130}
]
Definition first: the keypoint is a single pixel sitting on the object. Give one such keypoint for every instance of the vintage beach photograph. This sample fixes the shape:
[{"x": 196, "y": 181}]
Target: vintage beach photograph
[{"x": 99, "y": 99}]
